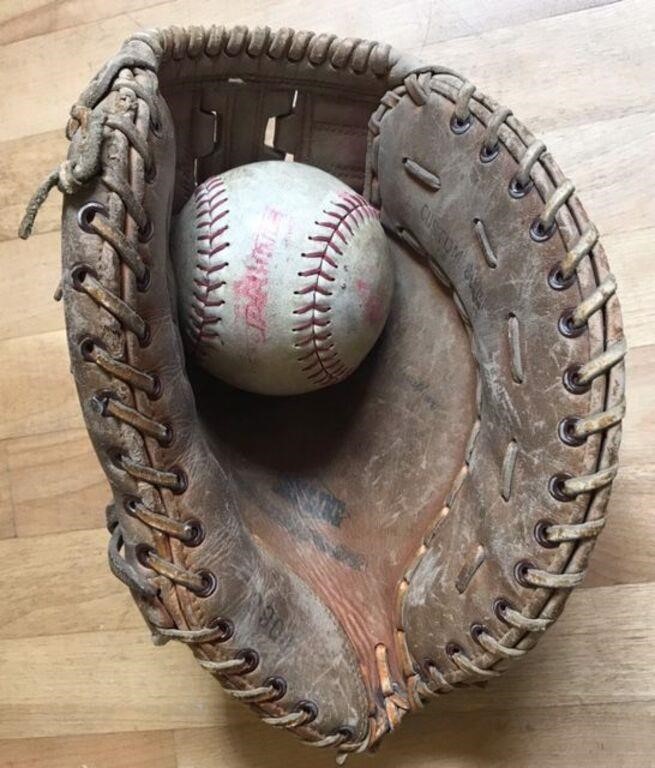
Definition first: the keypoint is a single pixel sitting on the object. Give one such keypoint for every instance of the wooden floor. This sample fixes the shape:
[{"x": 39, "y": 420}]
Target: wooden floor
[{"x": 80, "y": 683}]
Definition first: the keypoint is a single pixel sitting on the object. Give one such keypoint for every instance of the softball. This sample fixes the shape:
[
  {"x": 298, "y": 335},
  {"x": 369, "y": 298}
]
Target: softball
[{"x": 284, "y": 277}]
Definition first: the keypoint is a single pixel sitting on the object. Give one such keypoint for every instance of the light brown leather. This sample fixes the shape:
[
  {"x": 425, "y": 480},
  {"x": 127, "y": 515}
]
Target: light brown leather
[{"x": 336, "y": 559}]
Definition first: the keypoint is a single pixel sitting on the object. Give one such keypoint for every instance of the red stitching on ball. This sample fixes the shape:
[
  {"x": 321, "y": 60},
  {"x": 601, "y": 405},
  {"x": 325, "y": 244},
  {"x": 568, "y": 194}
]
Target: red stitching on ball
[
  {"x": 321, "y": 363},
  {"x": 211, "y": 200}
]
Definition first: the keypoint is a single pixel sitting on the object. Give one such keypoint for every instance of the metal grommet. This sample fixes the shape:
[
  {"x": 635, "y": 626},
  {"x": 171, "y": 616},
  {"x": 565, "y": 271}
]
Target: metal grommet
[
  {"x": 571, "y": 380},
  {"x": 477, "y": 630},
  {"x": 195, "y": 533},
  {"x": 156, "y": 127},
  {"x": 538, "y": 233},
  {"x": 566, "y": 432},
  {"x": 146, "y": 232},
  {"x": 79, "y": 274},
  {"x": 87, "y": 213},
  {"x": 517, "y": 191},
  {"x": 250, "y": 658},
  {"x": 156, "y": 392},
  {"x": 309, "y": 707},
  {"x": 166, "y": 440},
  {"x": 208, "y": 584},
  {"x": 142, "y": 552},
  {"x": 279, "y": 685},
  {"x": 566, "y": 327},
  {"x": 130, "y": 504},
  {"x": 557, "y": 281},
  {"x": 143, "y": 282},
  {"x": 459, "y": 126},
  {"x": 452, "y": 649},
  {"x": 557, "y": 489},
  {"x": 226, "y": 627},
  {"x": 540, "y": 530},
  {"x": 87, "y": 345},
  {"x": 487, "y": 155},
  {"x": 521, "y": 570},
  {"x": 150, "y": 174},
  {"x": 347, "y": 732},
  {"x": 145, "y": 338},
  {"x": 182, "y": 481},
  {"x": 500, "y": 606}
]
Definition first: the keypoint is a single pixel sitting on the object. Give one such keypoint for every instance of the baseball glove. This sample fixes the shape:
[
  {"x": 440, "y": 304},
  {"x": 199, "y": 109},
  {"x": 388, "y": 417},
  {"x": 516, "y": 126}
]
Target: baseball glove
[{"x": 336, "y": 559}]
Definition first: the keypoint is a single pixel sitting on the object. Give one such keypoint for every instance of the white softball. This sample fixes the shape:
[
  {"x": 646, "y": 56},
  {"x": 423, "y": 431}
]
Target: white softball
[{"x": 284, "y": 277}]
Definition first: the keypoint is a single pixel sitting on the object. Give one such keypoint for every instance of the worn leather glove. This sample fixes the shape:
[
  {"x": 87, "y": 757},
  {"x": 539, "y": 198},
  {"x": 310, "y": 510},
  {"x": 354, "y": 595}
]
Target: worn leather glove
[{"x": 336, "y": 559}]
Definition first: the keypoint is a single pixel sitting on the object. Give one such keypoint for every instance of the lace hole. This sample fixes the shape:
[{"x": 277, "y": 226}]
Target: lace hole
[
  {"x": 146, "y": 232},
  {"x": 566, "y": 327},
  {"x": 87, "y": 347},
  {"x": 346, "y": 732},
  {"x": 79, "y": 273},
  {"x": 571, "y": 380},
  {"x": 500, "y": 607},
  {"x": 143, "y": 283},
  {"x": 477, "y": 630},
  {"x": 150, "y": 174},
  {"x": 310, "y": 709},
  {"x": 557, "y": 281},
  {"x": 182, "y": 482},
  {"x": 195, "y": 533},
  {"x": 566, "y": 432},
  {"x": 250, "y": 658},
  {"x": 145, "y": 338},
  {"x": 166, "y": 440},
  {"x": 557, "y": 487},
  {"x": 279, "y": 685},
  {"x": 208, "y": 584},
  {"x": 540, "y": 535},
  {"x": 226, "y": 627},
  {"x": 521, "y": 572},
  {"x": 460, "y": 126},
  {"x": 115, "y": 455},
  {"x": 130, "y": 504},
  {"x": 142, "y": 553},
  {"x": 539, "y": 233},
  {"x": 488, "y": 154},
  {"x": 156, "y": 389},
  {"x": 452, "y": 649},
  {"x": 517, "y": 190},
  {"x": 156, "y": 127},
  {"x": 87, "y": 213}
]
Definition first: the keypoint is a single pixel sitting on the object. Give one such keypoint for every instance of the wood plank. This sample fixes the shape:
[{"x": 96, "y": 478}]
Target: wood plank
[
  {"x": 600, "y": 652},
  {"x": 37, "y": 393},
  {"x": 631, "y": 259},
  {"x": 563, "y": 71},
  {"x": 611, "y": 176},
  {"x": 489, "y": 59},
  {"x": 30, "y": 18},
  {"x": 53, "y": 573},
  {"x": 7, "y": 529},
  {"x": 112, "y": 750},
  {"x": 26, "y": 291},
  {"x": 620, "y": 555},
  {"x": 581, "y": 736},
  {"x": 24, "y": 163},
  {"x": 56, "y": 483}
]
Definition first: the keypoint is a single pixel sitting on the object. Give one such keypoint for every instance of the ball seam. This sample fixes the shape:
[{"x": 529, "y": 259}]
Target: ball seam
[
  {"x": 320, "y": 361},
  {"x": 211, "y": 208}
]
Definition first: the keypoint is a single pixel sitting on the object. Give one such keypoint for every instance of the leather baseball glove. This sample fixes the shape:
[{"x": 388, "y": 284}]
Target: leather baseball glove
[{"x": 336, "y": 559}]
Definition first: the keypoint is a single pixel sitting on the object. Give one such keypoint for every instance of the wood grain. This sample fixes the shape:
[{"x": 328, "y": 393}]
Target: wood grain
[
  {"x": 113, "y": 750},
  {"x": 80, "y": 682},
  {"x": 580, "y": 736}
]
